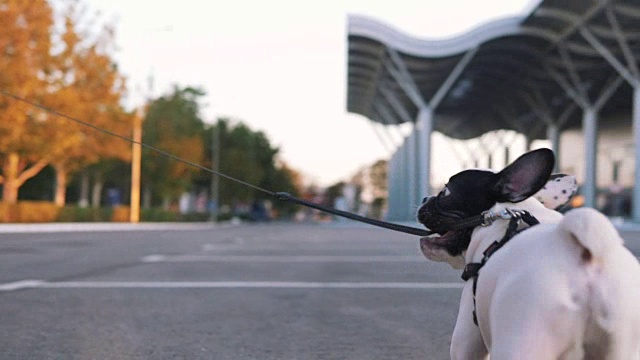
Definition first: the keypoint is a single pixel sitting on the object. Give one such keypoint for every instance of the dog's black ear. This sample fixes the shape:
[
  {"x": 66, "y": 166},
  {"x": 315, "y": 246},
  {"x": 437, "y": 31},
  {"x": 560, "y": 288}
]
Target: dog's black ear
[{"x": 525, "y": 176}]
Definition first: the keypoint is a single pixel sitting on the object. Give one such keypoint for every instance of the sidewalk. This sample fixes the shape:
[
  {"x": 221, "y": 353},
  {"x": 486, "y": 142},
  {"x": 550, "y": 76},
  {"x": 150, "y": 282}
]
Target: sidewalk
[{"x": 104, "y": 227}]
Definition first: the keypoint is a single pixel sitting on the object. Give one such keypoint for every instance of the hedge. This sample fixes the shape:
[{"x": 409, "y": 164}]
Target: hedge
[
  {"x": 29, "y": 212},
  {"x": 44, "y": 211}
]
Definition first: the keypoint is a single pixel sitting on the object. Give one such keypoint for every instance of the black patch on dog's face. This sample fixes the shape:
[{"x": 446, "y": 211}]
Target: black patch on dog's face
[{"x": 464, "y": 196}]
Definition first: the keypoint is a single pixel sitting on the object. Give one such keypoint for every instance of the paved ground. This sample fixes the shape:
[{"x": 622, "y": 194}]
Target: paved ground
[{"x": 271, "y": 291}]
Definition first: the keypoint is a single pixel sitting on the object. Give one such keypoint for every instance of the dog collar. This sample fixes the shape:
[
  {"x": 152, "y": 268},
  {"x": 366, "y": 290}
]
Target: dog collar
[
  {"x": 472, "y": 270},
  {"x": 514, "y": 217}
]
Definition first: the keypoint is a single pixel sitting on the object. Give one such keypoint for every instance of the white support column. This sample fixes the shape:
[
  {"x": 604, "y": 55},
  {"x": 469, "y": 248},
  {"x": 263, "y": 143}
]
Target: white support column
[
  {"x": 411, "y": 174},
  {"x": 507, "y": 159},
  {"x": 590, "y": 128},
  {"x": 398, "y": 194},
  {"x": 528, "y": 141},
  {"x": 425, "y": 119},
  {"x": 636, "y": 136},
  {"x": 393, "y": 171},
  {"x": 399, "y": 190},
  {"x": 553, "y": 135},
  {"x": 631, "y": 74}
]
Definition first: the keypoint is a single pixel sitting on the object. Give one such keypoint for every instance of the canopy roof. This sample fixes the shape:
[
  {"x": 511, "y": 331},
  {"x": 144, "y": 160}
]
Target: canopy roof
[{"x": 516, "y": 73}]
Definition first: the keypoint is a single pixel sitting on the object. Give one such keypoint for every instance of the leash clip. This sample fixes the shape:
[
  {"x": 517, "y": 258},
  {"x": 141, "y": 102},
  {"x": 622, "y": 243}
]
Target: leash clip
[
  {"x": 489, "y": 217},
  {"x": 505, "y": 214}
]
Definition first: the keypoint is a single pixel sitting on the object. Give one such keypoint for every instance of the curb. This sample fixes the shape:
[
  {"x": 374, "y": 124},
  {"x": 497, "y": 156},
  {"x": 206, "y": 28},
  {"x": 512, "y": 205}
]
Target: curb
[{"x": 106, "y": 227}]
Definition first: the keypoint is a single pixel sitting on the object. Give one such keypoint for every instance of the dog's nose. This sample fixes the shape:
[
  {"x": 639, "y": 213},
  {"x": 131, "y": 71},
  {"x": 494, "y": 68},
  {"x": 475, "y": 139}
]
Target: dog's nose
[
  {"x": 423, "y": 210},
  {"x": 426, "y": 199}
]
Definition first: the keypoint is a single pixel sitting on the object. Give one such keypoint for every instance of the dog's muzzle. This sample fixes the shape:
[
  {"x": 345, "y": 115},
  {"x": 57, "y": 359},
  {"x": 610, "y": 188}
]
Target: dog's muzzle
[{"x": 431, "y": 215}]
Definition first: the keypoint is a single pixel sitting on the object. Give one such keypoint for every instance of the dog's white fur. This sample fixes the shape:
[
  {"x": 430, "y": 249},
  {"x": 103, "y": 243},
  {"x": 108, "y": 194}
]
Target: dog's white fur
[{"x": 564, "y": 289}]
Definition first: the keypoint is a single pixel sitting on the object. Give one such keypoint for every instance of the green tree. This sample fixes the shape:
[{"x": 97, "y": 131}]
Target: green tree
[
  {"x": 333, "y": 192},
  {"x": 173, "y": 123},
  {"x": 248, "y": 155},
  {"x": 378, "y": 174},
  {"x": 378, "y": 178}
]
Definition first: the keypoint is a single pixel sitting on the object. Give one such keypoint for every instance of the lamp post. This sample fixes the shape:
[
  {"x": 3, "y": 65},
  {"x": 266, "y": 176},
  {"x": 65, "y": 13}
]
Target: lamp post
[{"x": 215, "y": 166}]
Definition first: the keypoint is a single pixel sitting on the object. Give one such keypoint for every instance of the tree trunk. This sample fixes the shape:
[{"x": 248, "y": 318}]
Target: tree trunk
[
  {"x": 10, "y": 185},
  {"x": 61, "y": 186},
  {"x": 96, "y": 195},
  {"x": 84, "y": 190},
  {"x": 15, "y": 176}
]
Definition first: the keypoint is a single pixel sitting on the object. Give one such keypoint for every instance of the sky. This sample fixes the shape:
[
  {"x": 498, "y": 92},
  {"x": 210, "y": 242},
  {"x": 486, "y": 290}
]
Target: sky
[{"x": 279, "y": 65}]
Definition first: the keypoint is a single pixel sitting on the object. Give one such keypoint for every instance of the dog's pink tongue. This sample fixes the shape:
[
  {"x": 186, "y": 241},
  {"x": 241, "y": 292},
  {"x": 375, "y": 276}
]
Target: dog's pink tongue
[{"x": 439, "y": 240}]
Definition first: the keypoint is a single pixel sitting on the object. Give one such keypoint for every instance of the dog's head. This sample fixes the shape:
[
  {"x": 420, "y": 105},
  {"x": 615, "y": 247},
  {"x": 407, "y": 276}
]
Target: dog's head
[{"x": 471, "y": 192}]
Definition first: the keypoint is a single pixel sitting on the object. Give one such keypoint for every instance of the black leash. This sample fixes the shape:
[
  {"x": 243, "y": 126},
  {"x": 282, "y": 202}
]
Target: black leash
[
  {"x": 387, "y": 225},
  {"x": 279, "y": 195}
]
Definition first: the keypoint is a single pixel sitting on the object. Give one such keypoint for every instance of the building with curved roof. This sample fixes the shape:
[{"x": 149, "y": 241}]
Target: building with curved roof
[{"x": 566, "y": 65}]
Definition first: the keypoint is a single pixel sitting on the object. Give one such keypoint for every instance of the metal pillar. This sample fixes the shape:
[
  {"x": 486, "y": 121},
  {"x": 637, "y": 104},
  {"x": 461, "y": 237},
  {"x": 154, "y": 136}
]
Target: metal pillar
[
  {"x": 392, "y": 172},
  {"x": 412, "y": 165},
  {"x": 425, "y": 119},
  {"x": 528, "y": 142},
  {"x": 636, "y": 137},
  {"x": 631, "y": 74},
  {"x": 214, "y": 204},
  {"x": 506, "y": 156},
  {"x": 553, "y": 135},
  {"x": 404, "y": 181},
  {"x": 396, "y": 184},
  {"x": 420, "y": 185},
  {"x": 590, "y": 128}
]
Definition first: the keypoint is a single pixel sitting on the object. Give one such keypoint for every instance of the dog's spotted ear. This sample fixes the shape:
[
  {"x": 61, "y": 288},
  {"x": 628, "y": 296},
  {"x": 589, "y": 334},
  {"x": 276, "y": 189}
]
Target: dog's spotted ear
[
  {"x": 525, "y": 176},
  {"x": 558, "y": 191}
]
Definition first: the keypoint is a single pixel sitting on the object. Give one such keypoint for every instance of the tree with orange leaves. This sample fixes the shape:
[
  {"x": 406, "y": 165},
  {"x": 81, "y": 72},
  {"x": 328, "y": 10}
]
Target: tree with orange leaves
[
  {"x": 87, "y": 86},
  {"x": 25, "y": 44},
  {"x": 67, "y": 71}
]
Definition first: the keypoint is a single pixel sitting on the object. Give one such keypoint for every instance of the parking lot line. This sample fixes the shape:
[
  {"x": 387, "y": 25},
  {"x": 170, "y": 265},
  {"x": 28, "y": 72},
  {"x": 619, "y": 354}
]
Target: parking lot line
[
  {"x": 22, "y": 284},
  {"x": 39, "y": 284},
  {"x": 281, "y": 258},
  {"x": 248, "y": 284}
]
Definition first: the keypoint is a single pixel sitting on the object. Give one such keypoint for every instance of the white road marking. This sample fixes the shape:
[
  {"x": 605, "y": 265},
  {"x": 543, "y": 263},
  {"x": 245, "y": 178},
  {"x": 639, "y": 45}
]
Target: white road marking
[
  {"x": 153, "y": 258},
  {"x": 281, "y": 259},
  {"x": 22, "y": 284},
  {"x": 41, "y": 284},
  {"x": 244, "y": 285},
  {"x": 209, "y": 247}
]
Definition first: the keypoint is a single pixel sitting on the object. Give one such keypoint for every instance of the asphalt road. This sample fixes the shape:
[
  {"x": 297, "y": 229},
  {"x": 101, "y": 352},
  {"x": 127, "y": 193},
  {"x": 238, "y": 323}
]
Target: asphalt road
[{"x": 270, "y": 291}]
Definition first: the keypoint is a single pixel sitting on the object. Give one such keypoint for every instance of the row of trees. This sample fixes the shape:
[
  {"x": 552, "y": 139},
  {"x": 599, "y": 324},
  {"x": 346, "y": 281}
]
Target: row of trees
[
  {"x": 47, "y": 59},
  {"x": 58, "y": 66},
  {"x": 173, "y": 124}
]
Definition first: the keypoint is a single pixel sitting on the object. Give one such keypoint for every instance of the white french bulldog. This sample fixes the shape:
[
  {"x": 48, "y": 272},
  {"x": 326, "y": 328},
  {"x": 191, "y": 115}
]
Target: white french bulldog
[{"x": 564, "y": 289}]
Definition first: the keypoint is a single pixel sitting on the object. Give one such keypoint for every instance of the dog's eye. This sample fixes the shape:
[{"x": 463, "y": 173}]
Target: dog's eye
[{"x": 445, "y": 192}]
